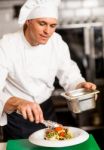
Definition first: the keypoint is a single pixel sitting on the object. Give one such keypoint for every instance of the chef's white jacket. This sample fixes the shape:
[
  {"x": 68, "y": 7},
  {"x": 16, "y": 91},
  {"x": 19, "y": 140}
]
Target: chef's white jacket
[{"x": 29, "y": 71}]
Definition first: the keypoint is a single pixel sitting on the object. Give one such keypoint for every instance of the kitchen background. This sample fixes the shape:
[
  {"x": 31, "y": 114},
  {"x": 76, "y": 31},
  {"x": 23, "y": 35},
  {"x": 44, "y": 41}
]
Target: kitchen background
[{"x": 81, "y": 24}]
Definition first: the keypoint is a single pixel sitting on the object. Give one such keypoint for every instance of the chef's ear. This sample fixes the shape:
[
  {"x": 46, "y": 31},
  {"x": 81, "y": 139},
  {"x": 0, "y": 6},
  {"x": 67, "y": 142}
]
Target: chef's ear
[{"x": 27, "y": 22}]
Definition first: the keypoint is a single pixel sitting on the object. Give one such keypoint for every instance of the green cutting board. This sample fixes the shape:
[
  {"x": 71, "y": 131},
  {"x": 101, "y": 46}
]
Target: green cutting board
[{"x": 24, "y": 144}]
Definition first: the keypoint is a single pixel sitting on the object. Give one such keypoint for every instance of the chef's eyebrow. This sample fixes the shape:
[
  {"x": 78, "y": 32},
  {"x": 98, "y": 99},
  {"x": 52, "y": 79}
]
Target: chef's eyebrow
[{"x": 43, "y": 21}]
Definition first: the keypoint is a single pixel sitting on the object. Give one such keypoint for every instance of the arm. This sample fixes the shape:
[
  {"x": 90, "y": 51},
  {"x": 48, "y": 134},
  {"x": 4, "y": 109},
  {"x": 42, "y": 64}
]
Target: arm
[
  {"x": 4, "y": 70},
  {"x": 8, "y": 104},
  {"x": 68, "y": 73},
  {"x": 29, "y": 110}
]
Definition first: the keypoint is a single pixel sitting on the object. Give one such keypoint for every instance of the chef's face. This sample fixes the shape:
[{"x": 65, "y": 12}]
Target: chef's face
[{"x": 40, "y": 30}]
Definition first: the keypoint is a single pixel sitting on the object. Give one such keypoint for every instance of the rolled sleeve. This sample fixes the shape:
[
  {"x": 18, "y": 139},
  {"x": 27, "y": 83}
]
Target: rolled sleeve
[
  {"x": 4, "y": 70},
  {"x": 3, "y": 96},
  {"x": 3, "y": 119},
  {"x": 3, "y": 99}
]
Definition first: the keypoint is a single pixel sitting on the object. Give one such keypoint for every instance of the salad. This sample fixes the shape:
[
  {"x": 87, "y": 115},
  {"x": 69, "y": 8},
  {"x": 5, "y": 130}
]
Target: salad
[{"x": 58, "y": 133}]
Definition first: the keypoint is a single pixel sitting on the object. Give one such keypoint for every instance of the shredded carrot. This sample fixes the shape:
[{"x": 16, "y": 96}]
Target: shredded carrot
[{"x": 58, "y": 129}]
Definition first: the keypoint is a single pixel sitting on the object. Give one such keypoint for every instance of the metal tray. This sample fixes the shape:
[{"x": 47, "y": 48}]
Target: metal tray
[
  {"x": 80, "y": 100},
  {"x": 79, "y": 94}
]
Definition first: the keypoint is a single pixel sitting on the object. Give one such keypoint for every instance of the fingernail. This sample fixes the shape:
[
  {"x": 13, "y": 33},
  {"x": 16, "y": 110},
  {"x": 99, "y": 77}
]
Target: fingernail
[
  {"x": 42, "y": 121},
  {"x": 37, "y": 121}
]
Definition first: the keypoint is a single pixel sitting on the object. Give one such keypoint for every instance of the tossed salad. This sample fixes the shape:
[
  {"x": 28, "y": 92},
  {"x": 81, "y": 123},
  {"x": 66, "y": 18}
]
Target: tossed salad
[{"x": 58, "y": 133}]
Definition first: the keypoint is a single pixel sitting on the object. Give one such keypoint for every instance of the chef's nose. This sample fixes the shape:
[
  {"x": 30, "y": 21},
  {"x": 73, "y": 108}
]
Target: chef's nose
[{"x": 47, "y": 30}]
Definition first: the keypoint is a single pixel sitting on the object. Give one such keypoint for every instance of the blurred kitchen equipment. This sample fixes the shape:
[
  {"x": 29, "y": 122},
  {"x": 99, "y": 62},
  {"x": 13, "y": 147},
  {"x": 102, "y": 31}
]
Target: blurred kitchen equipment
[{"x": 81, "y": 99}]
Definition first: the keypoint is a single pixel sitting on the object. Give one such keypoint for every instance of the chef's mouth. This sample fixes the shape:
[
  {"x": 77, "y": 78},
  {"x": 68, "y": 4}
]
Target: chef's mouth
[{"x": 46, "y": 37}]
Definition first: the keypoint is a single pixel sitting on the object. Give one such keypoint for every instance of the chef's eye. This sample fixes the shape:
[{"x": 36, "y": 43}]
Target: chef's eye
[
  {"x": 53, "y": 26},
  {"x": 42, "y": 23}
]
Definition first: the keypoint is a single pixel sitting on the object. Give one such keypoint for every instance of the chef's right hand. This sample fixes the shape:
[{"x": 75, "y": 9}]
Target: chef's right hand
[{"x": 29, "y": 110}]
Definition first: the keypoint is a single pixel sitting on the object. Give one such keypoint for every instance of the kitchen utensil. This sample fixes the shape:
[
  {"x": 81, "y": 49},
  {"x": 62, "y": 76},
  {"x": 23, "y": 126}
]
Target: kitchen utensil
[
  {"x": 81, "y": 99},
  {"x": 51, "y": 124},
  {"x": 47, "y": 123}
]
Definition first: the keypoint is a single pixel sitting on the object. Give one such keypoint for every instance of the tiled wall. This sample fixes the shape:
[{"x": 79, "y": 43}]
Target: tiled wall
[
  {"x": 74, "y": 11},
  {"x": 71, "y": 11}
]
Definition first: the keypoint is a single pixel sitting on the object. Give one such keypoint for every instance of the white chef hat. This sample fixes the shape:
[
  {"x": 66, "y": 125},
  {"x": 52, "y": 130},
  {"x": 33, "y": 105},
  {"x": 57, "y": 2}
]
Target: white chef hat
[{"x": 33, "y": 9}]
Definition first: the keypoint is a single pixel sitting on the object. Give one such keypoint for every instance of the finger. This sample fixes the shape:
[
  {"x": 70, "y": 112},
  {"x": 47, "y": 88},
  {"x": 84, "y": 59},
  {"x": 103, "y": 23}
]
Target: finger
[
  {"x": 89, "y": 86},
  {"x": 41, "y": 118},
  {"x": 22, "y": 111},
  {"x": 30, "y": 114},
  {"x": 38, "y": 113},
  {"x": 93, "y": 87},
  {"x": 24, "y": 114}
]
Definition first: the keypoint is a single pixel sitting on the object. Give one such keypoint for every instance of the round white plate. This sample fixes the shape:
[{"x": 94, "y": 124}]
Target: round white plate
[{"x": 80, "y": 136}]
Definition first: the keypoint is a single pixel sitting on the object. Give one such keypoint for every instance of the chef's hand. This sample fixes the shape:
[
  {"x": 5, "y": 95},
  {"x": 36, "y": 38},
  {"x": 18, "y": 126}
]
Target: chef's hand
[
  {"x": 86, "y": 85},
  {"x": 29, "y": 110}
]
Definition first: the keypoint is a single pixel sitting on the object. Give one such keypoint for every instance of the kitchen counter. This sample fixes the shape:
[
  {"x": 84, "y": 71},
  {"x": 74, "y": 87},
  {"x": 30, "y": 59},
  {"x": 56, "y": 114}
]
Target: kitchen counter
[
  {"x": 2, "y": 146},
  {"x": 24, "y": 144}
]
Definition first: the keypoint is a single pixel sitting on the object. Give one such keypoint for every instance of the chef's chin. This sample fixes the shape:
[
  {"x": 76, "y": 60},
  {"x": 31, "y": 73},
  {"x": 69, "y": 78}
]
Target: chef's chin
[{"x": 43, "y": 41}]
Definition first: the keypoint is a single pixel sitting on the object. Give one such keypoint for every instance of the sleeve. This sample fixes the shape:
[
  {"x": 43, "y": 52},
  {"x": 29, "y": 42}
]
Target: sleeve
[
  {"x": 4, "y": 70},
  {"x": 3, "y": 97},
  {"x": 68, "y": 72}
]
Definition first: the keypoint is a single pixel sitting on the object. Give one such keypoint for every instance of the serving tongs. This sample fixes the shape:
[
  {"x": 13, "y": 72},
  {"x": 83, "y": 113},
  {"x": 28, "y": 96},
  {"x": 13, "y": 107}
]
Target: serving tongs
[
  {"x": 51, "y": 124},
  {"x": 47, "y": 123}
]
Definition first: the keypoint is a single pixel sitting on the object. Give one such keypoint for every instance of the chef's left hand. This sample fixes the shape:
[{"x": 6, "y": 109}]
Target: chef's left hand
[{"x": 86, "y": 85}]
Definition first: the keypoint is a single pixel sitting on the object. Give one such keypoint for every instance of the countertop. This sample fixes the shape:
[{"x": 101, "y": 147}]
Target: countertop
[
  {"x": 2, "y": 146},
  {"x": 24, "y": 144}
]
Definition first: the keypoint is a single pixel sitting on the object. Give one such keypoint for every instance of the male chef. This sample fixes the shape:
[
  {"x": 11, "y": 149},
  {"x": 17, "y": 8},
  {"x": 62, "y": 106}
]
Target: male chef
[{"x": 30, "y": 59}]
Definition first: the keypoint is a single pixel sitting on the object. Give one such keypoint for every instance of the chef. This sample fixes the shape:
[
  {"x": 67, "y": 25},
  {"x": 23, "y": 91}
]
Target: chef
[{"x": 30, "y": 59}]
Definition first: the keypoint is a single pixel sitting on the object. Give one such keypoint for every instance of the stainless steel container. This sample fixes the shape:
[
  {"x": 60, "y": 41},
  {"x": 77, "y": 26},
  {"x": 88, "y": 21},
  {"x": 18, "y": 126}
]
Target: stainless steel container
[{"x": 81, "y": 99}]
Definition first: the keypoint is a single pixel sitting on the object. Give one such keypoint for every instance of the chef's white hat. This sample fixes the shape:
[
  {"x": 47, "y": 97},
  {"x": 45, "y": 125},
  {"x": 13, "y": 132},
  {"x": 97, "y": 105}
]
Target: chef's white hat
[{"x": 38, "y": 9}]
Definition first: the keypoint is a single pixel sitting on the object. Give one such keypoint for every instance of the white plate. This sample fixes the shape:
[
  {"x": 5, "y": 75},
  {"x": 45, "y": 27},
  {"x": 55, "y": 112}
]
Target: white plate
[{"x": 80, "y": 136}]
